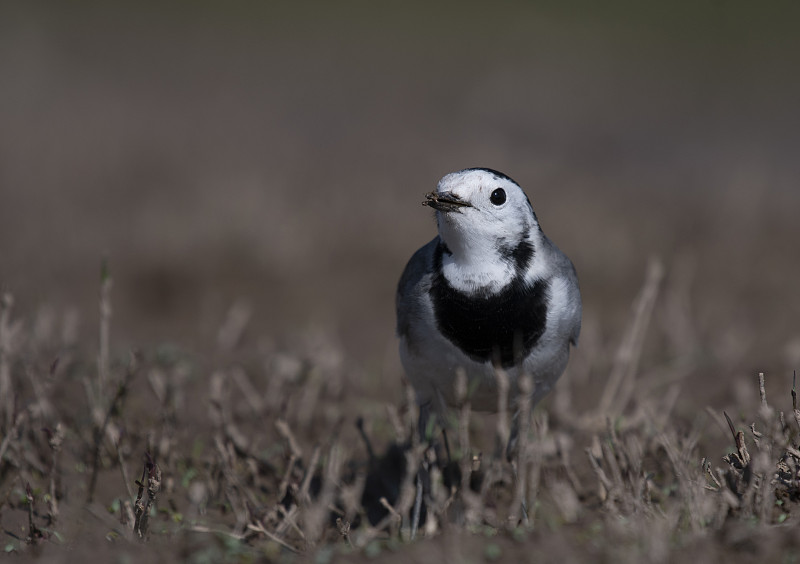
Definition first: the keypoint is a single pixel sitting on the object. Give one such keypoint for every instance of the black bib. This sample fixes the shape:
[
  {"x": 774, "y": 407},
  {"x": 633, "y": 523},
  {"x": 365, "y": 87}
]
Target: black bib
[{"x": 502, "y": 327}]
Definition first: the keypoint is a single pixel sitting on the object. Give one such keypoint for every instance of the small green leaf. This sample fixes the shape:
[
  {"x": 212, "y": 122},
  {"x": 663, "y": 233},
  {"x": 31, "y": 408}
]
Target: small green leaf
[
  {"x": 188, "y": 476},
  {"x": 324, "y": 556},
  {"x": 492, "y": 551},
  {"x": 197, "y": 448},
  {"x": 373, "y": 549}
]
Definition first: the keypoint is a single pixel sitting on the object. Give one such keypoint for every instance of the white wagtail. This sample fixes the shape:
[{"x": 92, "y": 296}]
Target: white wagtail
[{"x": 490, "y": 292}]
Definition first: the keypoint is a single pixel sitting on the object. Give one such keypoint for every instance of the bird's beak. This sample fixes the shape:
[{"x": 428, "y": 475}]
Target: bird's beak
[{"x": 445, "y": 201}]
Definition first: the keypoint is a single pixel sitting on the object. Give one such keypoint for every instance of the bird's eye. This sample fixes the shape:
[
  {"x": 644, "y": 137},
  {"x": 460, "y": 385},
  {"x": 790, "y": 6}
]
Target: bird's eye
[{"x": 498, "y": 197}]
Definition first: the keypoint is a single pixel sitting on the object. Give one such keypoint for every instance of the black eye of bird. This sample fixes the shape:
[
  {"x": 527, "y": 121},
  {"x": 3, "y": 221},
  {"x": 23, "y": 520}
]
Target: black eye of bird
[{"x": 498, "y": 197}]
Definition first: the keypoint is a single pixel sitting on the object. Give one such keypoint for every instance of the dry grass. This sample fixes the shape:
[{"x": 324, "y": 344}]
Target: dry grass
[
  {"x": 281, "y": 471},
  {"x": 241, "y": 150}
]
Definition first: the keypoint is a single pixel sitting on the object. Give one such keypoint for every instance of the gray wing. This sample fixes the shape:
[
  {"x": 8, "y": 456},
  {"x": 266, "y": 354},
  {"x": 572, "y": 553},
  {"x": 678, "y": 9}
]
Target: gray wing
[
  {"x": 411, "y": 286},
  {"x": 576, "y": 298},
  {"x": 566, "y": 270}
]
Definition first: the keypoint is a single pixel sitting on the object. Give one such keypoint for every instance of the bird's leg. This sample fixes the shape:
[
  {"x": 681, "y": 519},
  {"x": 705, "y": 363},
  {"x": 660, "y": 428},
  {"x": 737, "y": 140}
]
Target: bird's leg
[
  {"x": 423, "y": 476},
  {"x": 513, "y": 438},
  {"x": 513, "y": 456}
]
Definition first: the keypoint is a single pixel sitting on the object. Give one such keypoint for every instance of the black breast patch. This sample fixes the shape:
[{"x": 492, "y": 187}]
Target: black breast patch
[{"x": 502, "y": 328}]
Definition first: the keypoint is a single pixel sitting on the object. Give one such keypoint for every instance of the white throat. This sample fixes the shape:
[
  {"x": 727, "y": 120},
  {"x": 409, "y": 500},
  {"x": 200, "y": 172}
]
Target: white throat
[
  {"x": 477, "y": 276},
  {"x": 474, "y": 263}
]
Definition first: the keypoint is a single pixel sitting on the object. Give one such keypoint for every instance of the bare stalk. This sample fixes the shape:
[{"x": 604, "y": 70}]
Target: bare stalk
[
  {"x": 405, "y": 499},
  {"x": 259, "y": 527},
  {"x": 762, "y": 392},
  {"x": 12, "y": 432},
  {"x": 34, "y": 534},
  {"x": 151, "y": 482},
  {"x": 620, "y": 384},
  {"x": 794, "y": 399},
  {"x": 283, "y": 428},
  {"x": 6, "y": 388},
  {"x": 100, "y": 430},
  {"x": 105, "y": 327},
  {"x": 465, "y": 463},
  {"x": 316, "y": 512},
  {"x": 55, "y": 438},
  {"x": 124, "y": 470},
  {"x": 521, "y": 468},
  {"x": 503, "y": 431}
]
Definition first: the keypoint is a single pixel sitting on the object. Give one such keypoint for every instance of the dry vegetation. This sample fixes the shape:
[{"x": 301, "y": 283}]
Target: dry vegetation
[
  {"x": 253, "y": 171},
  {"x": 97, "y": 455}
]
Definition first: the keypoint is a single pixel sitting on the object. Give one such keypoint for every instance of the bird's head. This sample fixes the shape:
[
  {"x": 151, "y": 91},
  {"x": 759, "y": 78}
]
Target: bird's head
[{"x": 479, "y": 209}]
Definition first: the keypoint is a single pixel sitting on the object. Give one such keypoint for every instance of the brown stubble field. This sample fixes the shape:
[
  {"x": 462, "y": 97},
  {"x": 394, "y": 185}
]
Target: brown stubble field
[{"x": 252, "y": 176}]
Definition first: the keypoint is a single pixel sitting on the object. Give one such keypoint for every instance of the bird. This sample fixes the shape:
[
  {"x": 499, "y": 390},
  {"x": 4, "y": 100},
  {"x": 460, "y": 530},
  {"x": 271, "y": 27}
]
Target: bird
[{"x": 490, "y": 292}]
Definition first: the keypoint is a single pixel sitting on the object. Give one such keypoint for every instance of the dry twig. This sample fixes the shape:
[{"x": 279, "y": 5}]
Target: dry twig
[
  {"x": 114, "y": 407},
  {"x": 150, "y": 482},
  {"x": 620, "y": 385}
]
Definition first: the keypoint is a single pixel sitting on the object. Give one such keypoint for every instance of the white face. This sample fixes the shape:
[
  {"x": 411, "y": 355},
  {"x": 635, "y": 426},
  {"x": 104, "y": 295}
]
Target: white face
[
  {"x": 482, "y": 217},
  {"x": 497, "y": 207}
]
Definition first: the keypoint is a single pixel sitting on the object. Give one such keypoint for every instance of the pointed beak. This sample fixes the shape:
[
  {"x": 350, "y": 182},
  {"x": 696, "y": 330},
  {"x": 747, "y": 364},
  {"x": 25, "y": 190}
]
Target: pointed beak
[{"x": 445, "y": 202}]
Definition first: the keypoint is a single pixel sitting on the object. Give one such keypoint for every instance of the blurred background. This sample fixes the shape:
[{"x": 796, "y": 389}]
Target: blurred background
[{"x": 276, "y": 154}]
